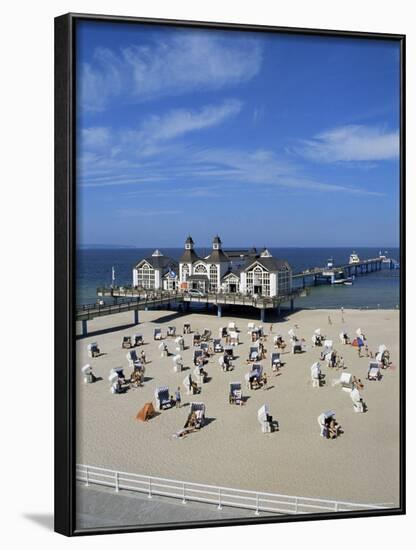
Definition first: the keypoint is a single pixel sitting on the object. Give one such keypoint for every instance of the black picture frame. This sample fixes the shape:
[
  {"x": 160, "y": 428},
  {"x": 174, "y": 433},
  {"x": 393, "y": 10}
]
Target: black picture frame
[{"x": 65, "y": 266}]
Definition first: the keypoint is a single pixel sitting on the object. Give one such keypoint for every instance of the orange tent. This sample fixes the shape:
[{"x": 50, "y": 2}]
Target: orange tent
[{"x": 146, "y": 412}]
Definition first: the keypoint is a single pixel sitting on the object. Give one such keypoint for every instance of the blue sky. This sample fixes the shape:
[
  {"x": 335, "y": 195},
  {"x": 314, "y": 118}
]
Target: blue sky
[{"x": 269, "y": 139}]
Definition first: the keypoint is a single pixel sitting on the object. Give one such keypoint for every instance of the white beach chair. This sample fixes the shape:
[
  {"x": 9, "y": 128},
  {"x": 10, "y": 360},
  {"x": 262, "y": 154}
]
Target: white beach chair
[
  {"x": 374, "y": 371},
  {"x": 89, "y": 377},
  {"x": 164, "y": 352},
  {"x": 346, "y": 382},
  {"x": 357, "y": 401},
  {"x": 180, "y": 343},
  {"x": 263, "y": 416},
  {"x": 316, "y": 375},
  {"x": 232, "y": 326},
  {"x": 235, "y": 394},
  {"x": 93, "y": 349},
  {"x": 177, "y": 363}
]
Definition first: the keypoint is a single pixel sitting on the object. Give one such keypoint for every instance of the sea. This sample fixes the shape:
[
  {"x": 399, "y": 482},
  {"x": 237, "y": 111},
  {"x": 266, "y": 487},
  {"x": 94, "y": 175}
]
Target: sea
[{"x": 377, "y": 290}]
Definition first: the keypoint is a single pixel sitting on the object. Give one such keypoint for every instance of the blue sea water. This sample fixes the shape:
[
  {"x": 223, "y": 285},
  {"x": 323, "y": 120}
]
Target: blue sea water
[{"x": 380, "y": 289}]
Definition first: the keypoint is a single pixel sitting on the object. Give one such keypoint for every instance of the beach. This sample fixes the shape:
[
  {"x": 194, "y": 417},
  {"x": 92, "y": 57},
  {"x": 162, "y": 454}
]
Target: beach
[{"x": 362, "y": 465}]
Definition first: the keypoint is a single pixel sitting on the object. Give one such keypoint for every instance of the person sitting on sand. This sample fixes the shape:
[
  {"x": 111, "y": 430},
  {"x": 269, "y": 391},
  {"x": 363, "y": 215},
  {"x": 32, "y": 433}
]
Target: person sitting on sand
[{"x": 356, "y": 383}]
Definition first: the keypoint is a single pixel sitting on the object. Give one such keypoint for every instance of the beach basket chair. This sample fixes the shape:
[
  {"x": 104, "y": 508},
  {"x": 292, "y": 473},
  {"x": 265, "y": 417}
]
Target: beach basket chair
[
  {"x": 138, "y": 340},
  {"x": 93, "y": 349},
  {"x": 164, "y": 352},
  {"x": 187, "y": 328},
  {"x": 157, "y": 334},
  {"x": 323, "y": 418},
  {"x": 198, "y": 353},
  {"x": 126, "y": 343},
  {"x": 196, "y": 339},
  {"x": 316, "y": 375},
  {"x": 357, "y": 401},
  {"x": 234, "y": 338},
  {"x": 171, "y": 332},
  {"x": 180, "y": 343},
  {"x": 253, "y": 354},
  {"x": 264, "y": 418},
  {"x": 218, "y": 347},
  {"x": 162, "y": 398},
  {"x": 374, "y": 371},
  {"x": 89, "y": 377},
  {"x": 346, "y": 381},
  {"x": 223, "y": 332},
  {"x": 200, "y": 410},
  {"x": 200, "y": 375},
  {"x": 232, "y": 326},
  {"x": 255, "y": 334},
  {"x": 206, "y": 335},
  {"x": 177, "y": 363},
  {"x": 229, "y": 351},
  {"x": 275, "y": 361},
  {"x": 235, "y": 396}
]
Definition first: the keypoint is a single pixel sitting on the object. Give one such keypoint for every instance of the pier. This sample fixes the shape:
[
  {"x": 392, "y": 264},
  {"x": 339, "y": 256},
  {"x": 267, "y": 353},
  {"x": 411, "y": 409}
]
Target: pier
[
  {"x": 134, "y": 300},
  {"x": 325, "y": 275}
]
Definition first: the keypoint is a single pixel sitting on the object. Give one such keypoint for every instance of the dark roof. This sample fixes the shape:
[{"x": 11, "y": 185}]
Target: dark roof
[
  {"x": 216, "y": 240},
  {"x": 160, "y": 262},
  {"x": 217, "y": 256},
  {"x": 189, "y": 240},
  {"x": 271, "y": 264},
  {"x": 197, "y": 278},
  {"x": 189, "y": 256},
  {"x": 238, "y": 253}
]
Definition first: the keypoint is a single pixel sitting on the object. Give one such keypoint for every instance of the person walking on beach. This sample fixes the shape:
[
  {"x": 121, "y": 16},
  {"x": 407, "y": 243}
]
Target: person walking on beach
[
  {"x": 178, "y": 398},
  {"x": 264, "y": 381},
  {"x": 143, "y": 357},
  {"x": 329, "y": 320},
  {"x": 342, "y": 314}
]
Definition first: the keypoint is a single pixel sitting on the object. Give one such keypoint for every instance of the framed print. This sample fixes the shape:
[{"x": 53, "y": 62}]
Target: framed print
[{"x": 229, "y": 287}]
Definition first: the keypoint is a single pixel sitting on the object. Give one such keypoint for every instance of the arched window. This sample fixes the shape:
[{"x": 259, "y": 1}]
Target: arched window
[
  {"x": 201, "y": 269},
  {"x": 185, "y": 272}
]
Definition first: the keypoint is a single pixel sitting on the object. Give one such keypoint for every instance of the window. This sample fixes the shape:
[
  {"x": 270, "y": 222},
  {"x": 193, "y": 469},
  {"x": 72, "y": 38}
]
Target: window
[
  {"x": 146, "y": 276},
  {"x": 185, "y": 272},
  {"x": 201, "y": 269},
  {"x": 213, "y": 278},
  {"x": 257, "y": 277}
]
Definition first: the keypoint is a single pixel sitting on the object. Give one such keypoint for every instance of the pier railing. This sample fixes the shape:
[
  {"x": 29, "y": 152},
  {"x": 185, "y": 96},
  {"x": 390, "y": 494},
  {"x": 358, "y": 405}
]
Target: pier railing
[{"x": 219, "y": 496}]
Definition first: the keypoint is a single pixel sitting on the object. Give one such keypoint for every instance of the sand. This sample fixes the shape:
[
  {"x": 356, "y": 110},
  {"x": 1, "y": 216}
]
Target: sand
[{"x": 360, "y": 466}]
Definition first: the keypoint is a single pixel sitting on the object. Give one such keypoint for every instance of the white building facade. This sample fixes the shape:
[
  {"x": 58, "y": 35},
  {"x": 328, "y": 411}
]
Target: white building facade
[{"x": 233, "y": 271}]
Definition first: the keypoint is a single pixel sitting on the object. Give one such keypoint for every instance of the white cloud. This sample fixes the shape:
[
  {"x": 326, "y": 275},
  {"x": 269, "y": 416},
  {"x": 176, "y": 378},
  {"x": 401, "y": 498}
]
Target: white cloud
[
  {"x": 179, "y": 122},
  {"x": 184, "y": 62},
  {"x": 94, "y": 138},
  {"x": 351, "y": 143}
]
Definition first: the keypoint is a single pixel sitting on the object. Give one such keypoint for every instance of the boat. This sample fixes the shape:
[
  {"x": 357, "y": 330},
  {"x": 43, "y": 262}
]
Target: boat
[
  {"x": 348, "y": 282},
  {"x": 354, "y": 259},
  {"x": 384, "y": 258}
]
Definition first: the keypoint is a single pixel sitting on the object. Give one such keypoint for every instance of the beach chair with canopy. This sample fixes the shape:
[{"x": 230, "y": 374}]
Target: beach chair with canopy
[
  {"x": 234, "y": 338},
  {"x": 171, "y": 332},
  {"x": 200, "y": 375},
  {"x": 253, "y": 354},
  {"x": 228, "y": 350},
  {"x": 317, "y": 337},
  {"x": 190, "y": 386},
  {"x": 223, "y": 332},
  {"x": 146, "y": 412},
  {"x": 357, "y": 401},
  {"x": 116, "y": 381},
  {"x": 235, "y": 395},
  {"x": 232, "y": 326},
  {"x": 196, "y": 339},
  {"x": 157, "y": 334},
  {"x": 177, "y": 363},
  {"x": 316, "y": 375},
  {"x": 275, "y": 361},
  {"x": 255, "y": 334},
  {"x": 196, "y": 416},
  {"x": 93, "y": 349},
  {"x": 250, "y": 327},
  {"x": 89, "y": 376},
  {"x": 323, "y": 420},
  {"x": 383, "y": 356},
  {"x": 187, "y": 328},
  {"x": 206, "y": 335},
  {"x": 218, "y": 347},
  {"x": 138, "y": 340},
  {"x": 205, "y": 347},
  {"x": 162, "y": 398},
  {"x": 253, "y": 378},
  {"x": 343, "y": 338},
  {"x": 265, "y": 419},
  {"x": 126, "y": 343},
  {"x": 374, "y": 371},
  {"x": 346, "y": 381},
  {"x": 180, "y": 343},
  {"x": 198, "y": 354},
  {"x": 163, "y": 347}
]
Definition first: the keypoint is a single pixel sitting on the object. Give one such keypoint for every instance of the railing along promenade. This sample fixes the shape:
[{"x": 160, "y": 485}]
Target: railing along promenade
[{"x": 215, "y": 495}]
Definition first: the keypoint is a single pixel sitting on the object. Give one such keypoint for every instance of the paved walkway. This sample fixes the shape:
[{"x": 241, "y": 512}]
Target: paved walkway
[{"x": 102, "y": 507}]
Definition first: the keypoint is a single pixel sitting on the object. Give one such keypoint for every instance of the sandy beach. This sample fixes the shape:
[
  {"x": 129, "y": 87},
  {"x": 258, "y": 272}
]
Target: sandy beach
[{"x": 360, "y": 466}]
